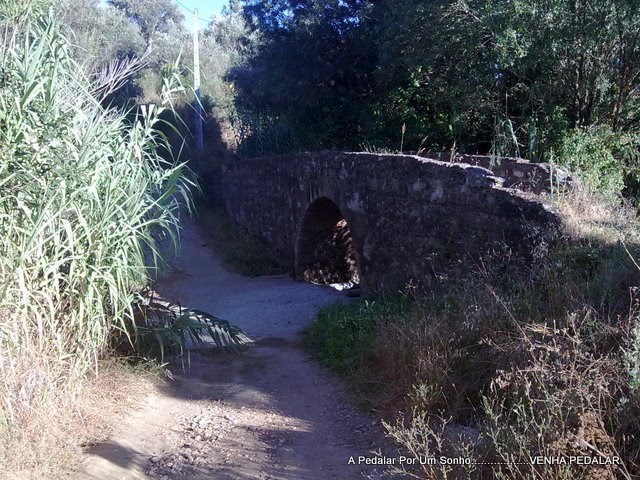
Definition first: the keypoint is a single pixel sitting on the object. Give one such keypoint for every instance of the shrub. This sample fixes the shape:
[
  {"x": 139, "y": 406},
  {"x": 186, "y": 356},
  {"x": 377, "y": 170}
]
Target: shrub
[
  {"x": 342, "y": 335},
  {"x": 603, "y": 159}
]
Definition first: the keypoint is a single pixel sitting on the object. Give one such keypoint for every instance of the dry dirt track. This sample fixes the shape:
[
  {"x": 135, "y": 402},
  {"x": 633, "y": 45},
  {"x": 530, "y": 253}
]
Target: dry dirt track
[{"x": 269, "y": 413}]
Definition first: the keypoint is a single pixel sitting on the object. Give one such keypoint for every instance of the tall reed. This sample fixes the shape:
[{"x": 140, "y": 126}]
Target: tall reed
[{"x": 86, "y": 200}]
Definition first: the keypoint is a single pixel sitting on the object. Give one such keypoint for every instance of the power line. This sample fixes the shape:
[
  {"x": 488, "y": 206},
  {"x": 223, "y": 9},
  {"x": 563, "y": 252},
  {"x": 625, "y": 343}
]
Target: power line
[{"x": 192, "y": 12}]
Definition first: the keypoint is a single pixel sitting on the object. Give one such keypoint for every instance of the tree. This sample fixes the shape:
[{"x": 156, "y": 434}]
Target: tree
[
  {"x": 225, "y": 45},
  {"x": 312, "y": 71},
  {"x": 152, "y": 16},
  {"x": 164, "y": 38},
  {"x": 98, "y": 33},
  {"x": 480, "y": 67}
]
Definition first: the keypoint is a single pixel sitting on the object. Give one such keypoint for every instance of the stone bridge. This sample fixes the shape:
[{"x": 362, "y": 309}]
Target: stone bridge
[{"x": 387, "y": 220}]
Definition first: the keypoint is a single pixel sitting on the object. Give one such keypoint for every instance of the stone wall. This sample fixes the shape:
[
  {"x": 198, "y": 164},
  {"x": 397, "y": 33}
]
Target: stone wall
[
  {"x": 408, "y": 216},
  {"x": 517, "y": 173}
]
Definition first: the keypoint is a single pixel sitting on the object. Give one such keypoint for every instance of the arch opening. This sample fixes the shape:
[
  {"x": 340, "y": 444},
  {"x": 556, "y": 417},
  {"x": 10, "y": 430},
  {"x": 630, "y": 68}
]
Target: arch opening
[{"x": 325, "y": 251}]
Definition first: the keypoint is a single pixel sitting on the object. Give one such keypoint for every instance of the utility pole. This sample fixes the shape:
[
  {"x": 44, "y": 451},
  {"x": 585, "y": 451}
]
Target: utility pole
[{"x": 196, "y": 82}]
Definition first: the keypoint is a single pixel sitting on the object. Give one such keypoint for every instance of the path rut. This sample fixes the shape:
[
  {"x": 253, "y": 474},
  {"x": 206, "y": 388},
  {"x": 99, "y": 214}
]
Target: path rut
[{"x": 269, "y": 413}]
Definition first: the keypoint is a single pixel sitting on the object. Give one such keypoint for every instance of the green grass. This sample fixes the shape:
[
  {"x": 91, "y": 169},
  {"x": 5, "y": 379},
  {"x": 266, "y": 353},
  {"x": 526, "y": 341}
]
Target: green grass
[
  {"x": 343, "y": 335},
  {"x": 240, "y": 250}
]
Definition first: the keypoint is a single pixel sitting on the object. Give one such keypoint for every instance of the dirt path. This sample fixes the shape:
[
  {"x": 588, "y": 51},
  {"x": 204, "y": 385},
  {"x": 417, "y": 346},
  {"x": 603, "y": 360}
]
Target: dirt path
[{"x": 269, "y": 413}]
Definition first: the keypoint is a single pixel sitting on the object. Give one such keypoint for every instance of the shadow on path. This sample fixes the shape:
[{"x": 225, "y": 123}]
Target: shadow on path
[{"x": 267, "y": 413}]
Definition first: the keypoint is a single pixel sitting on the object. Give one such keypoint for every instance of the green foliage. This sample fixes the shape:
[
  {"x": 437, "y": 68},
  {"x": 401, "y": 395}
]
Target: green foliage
[
  {"x": 89, "y": 211},
  {"x": 83, "y": 224},
  {"x": 465, "y": 74},
  {"x": 604, "y": 160},
  {"x": 225, "y": 45},
  {"x": 99, "y": 34},
  {"x": 309, "y": 73},
  {"x": 241, "y": 250},
  {"x": 267, "y": 137},
  {"x": 593, "y": 155},
  {"x": 151, "y": 16},
  {"x": 295, "y": 75},
  {"x": 104, "y": 36},
  {"x": 480, "y": 68},
  {"x": 342, "y": 335}
]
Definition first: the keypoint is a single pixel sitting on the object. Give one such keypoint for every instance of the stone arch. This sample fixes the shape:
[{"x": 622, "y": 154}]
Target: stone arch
[{"x": 325, "y": 251}]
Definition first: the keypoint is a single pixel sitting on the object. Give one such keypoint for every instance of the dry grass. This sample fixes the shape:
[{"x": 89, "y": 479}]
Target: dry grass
[
  {"x": 589, "y": 218},
  {"x": 511, "y": 361},
  {"x": 52, "y": 432}
]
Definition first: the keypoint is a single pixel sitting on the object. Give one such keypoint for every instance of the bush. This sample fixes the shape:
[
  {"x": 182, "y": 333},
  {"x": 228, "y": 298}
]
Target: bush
[
  {"x": 342, "y": 335},
  {"x": 601, "y": 158}
]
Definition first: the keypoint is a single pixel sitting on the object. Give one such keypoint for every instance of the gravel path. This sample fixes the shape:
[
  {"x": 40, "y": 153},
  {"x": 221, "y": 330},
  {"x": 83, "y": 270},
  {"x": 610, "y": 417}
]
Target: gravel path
[{"x": 268, "y": 413}]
